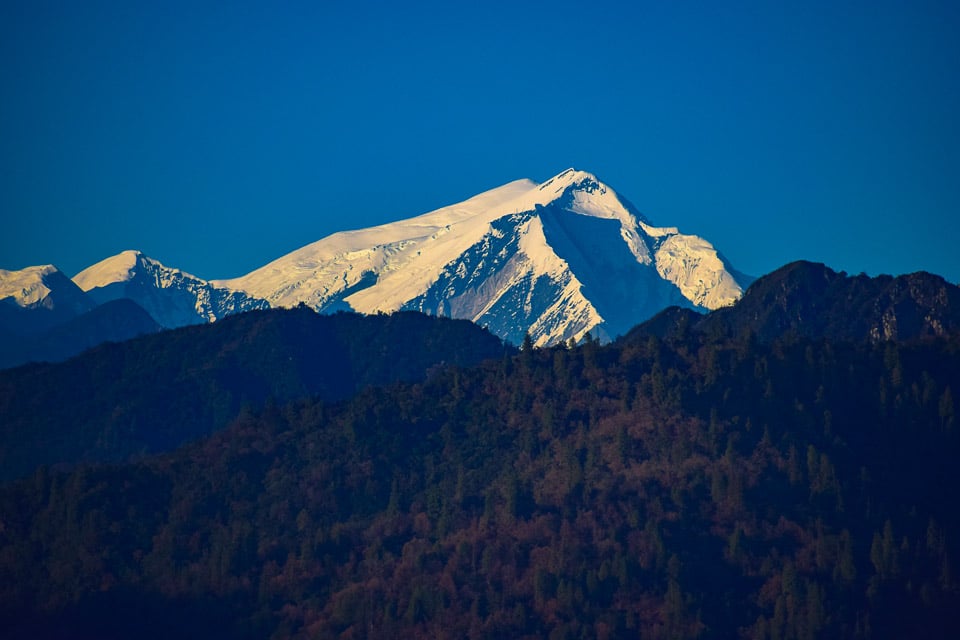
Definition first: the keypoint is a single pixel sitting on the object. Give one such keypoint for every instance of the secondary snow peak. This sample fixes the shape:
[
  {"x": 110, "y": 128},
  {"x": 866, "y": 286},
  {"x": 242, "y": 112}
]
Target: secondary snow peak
[
  {"x": 172, "y": 297},
  {"x": 118, "y": 268}
]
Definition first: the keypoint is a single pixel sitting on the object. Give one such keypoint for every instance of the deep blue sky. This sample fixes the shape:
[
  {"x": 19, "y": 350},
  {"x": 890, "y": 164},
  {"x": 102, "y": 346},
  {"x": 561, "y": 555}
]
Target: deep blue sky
[{"x": 216, "y": 138}]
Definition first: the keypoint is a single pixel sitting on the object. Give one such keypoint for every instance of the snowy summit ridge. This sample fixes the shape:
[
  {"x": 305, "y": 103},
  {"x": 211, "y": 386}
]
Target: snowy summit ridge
[
  {"x": 556, "y": 259},
  {"x": 174, "y": 298}
]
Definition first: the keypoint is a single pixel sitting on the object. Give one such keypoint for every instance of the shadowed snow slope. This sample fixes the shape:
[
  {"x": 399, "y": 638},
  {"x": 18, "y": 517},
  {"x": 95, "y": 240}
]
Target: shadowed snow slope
[
  {"x": 557, "y": 260},
  {"x": 35, "y": 299}
]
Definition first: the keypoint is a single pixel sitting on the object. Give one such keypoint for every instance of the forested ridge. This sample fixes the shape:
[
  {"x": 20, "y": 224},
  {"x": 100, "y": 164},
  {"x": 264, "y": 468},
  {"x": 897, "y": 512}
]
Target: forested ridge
[
  {"x": 154, "y": 393},
  {"x": 686, "y": 487},
  {"x": 811, "y": 300}
]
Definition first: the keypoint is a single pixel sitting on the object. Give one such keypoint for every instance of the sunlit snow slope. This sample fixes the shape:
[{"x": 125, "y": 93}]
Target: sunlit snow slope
[
  {"x": 41, "y": 287},
  {"x": 557, "y": 260}
]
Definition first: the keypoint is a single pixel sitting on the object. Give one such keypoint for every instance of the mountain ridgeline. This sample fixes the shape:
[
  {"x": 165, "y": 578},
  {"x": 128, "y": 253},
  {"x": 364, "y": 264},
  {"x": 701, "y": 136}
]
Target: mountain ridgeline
[
  {"x": 158, "y": 391},
  {"x": 154, "y": 393},
  {"x": 172, "y": 297},
  {"x": 662, "y": 488},
  {"x": 45, "y": 316},
  {"x": 554, "y": 260},
  {"x": 785, "y": 473}
]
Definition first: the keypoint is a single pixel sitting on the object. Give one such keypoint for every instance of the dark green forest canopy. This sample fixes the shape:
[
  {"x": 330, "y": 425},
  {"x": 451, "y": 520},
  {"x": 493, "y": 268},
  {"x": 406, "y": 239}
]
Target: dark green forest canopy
[
  {"x": 811, "y": 300},
  {"x": 157, "y": 392},
  {"x": 663, "y": 488}
]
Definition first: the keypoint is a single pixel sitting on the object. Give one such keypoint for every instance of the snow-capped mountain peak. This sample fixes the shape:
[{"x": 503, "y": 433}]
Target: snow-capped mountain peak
[
  {"x": 577, "y": 191},
  {"x": 570, "y": 178},
  {"x": 562, "y": 187},
  {"x": 557, "y": 259}
]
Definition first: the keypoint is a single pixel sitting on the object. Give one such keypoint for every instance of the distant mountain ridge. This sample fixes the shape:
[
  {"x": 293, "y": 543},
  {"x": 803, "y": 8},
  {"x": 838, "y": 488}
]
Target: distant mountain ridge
[
  {"x": 46, "y": 316},
  {"x": 172, "y": 297},
  {"x": 113, "y": 321},
  {"x": 555, "y": 260}
]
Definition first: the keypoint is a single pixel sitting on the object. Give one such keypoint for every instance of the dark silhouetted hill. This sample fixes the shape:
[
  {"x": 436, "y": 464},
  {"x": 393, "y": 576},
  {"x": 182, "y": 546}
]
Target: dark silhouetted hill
[
  {"x": 113, "y": 321},
  {"x": 664, "y": 489},
  {"x": 805, "y": 299},
  {"x": 158, "y": 391}
]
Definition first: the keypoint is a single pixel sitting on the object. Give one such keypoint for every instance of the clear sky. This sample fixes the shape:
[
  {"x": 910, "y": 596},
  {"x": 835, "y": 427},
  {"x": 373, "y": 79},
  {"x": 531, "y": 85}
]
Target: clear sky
[{"x": 217, "y": 137}]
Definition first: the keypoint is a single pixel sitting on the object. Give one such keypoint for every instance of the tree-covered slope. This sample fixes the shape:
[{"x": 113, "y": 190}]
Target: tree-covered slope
[
  {"x": 721, "y": 489},
  {"x": 156, "y": 392},
  {"x": 806, "y": 299}
]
